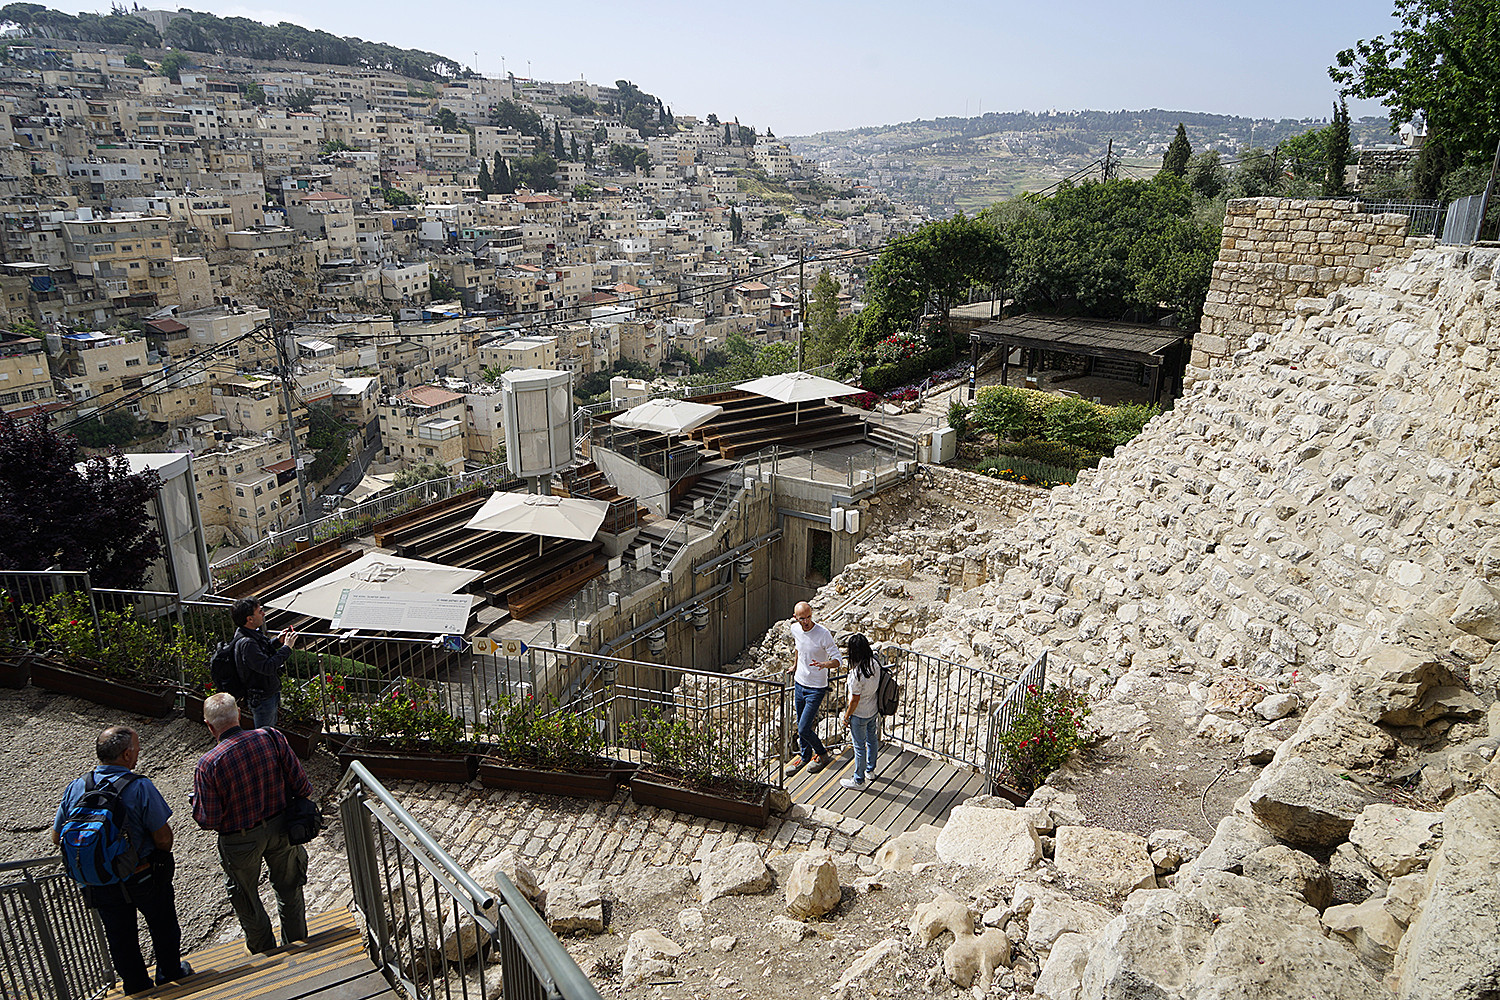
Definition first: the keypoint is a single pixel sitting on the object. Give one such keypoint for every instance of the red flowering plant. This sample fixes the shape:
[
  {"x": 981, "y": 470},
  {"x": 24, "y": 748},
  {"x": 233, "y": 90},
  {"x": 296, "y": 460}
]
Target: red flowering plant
[
  {"x": 899, "y": 347},
  {"x": 1049, "y": 730},
  {"x": 530, "y": 732},
  {"x": 115, "y": 644},
  {"x": 309, "y": 701},
  {"x": 410, "y": 715}
]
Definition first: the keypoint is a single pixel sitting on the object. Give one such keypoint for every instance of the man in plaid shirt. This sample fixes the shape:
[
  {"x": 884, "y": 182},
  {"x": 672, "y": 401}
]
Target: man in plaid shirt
[{"x": 241, "y": 789}]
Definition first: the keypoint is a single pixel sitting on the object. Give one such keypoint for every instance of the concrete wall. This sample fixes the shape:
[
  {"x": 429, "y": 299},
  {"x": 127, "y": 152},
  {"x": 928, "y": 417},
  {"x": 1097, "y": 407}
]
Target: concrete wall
[{"x": 1278, "y": 250}]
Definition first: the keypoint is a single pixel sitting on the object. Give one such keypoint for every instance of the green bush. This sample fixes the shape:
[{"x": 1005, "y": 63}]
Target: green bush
[
  {"x": 1050, "y": 453},
  {"x": 879, "y": 378},
  {"x": 1081, "y": 423},
  {"x": 1048, "y": 731},
  {"x": 958, "y": 419},
  {"x": 1128, "y": 419},
  {"x": 1010, "y": 412}
]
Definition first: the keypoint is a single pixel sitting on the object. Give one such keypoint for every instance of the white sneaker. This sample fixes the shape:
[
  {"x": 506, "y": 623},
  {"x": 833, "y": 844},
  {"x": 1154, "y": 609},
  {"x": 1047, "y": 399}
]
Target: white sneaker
[
  {"x": 851, "y": 783},
  {"x": 870, "y": 771}
]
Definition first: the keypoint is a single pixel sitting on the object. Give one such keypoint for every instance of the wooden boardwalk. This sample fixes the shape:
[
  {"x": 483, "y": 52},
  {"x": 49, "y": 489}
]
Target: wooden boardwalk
[
  {"x": 910, "y": 790},
  {"x": 330, "y": 965}
]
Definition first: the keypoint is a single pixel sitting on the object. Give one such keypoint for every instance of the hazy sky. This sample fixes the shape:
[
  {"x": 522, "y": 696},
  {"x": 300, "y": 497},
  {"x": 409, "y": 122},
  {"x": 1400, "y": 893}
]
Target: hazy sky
[{"x": 815, "y": 66}]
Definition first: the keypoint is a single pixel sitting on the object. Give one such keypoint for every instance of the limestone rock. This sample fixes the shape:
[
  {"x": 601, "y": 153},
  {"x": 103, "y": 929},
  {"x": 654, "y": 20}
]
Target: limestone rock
[
  {"x": 1369, "y": 927},
  {"x": 1354, "y": 881},
  {"x": 1449, "y": 950},
  {"x": 733, "y": 871},
  {"x": 1335, "y": 736},
  {"x": 971, "y": 957},
  {"x": 1152, "y": 949},
  {"x": 998, "y": 839},
  {"x": 1260, "y": 746},
  {"x": 1171, "y": 849},
  {"x": 866, "y": 964},
  {"x": 649, "y": 886},
  {"x": 1109, "y": 858},
  {"x": 913, "y": 847},
  {"x": 1277, "y": 706},
  {"x": 724, "y": 943},
  {"x": 1478, "y": 611},
  {"x": 944, "y": 913},
  {"x": 1293, "y": 872},
  {"x": 1485, "y": 676},
  {"x": 1396, "y": 841},
  {"x": 649, "y": 955},
  {"x": 507, "y": 862},
  {"x": 1404, "y": 899},
  {"x": 1220, "y": 729},
  {"x": 1062, "y": 975},
  {"x": 789, "y": 930},
  {"x": 1301, "y": 803},
  {"x": 575, "y": 909},
  {"x": 691, "y": 920},
  {"x": 1392, "y": 683},
  {"x": 812, "y": 888},
  {"x": 1051, "y": 914},
  {"x": 1061, "y": 806},
  {"x": 1235, "y": 839}
]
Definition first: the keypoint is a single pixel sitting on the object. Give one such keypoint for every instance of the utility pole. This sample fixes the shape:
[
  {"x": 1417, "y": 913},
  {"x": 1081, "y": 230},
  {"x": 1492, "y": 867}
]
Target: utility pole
[
  {"x": 801, "y": 302},
  {"x": 283, "y": 357},
  {"x": 1109, "y": 155}
]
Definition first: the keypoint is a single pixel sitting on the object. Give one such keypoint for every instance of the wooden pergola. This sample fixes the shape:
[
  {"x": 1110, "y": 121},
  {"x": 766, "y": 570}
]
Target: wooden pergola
[{"x": 1160, "y": 352}]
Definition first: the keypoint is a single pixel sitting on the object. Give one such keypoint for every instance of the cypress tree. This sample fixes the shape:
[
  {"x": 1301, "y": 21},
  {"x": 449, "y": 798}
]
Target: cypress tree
[
  {"x": 486, "y": 186},
  {"x": 557, "y": 146},
  {"x": 1176, "y": 159},
  {"x": 1336, "y": 150}
]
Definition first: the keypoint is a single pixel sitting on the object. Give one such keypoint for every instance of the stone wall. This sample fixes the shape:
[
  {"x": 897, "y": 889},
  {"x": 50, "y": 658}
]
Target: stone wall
[{"x": 1278, "y": 250}]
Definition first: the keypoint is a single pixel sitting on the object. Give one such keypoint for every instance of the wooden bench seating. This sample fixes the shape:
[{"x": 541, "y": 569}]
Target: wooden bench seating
[
  {"x": 543, "y": 591},
  {"x": 463, "y": 501}
]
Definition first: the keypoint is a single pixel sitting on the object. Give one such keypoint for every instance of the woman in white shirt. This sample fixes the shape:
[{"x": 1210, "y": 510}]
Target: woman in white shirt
[{"x": 862, "y": 713}]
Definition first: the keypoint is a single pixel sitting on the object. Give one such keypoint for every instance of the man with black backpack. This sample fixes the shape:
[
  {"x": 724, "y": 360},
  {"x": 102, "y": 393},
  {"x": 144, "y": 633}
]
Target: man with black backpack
[
  {"x": 259, "y": 659},
  {"x": 112, "y": 827}
]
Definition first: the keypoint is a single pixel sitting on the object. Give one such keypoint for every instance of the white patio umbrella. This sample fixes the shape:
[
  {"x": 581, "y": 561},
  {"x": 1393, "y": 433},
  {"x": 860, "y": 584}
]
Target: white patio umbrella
[
  {"x": 797, "y": 387},
  {"x": 667, "y": 416},
  {"x": 375, "y": 571},
  {"x": 540, "y": 515}
]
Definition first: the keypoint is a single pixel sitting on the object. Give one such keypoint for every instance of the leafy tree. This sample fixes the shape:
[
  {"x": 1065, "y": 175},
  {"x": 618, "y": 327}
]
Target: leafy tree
[
  {"x": 1206, "y": 175},
  {"x": 509, "y": 114},
  {"x": 90, "y": 515},
  {"x": 579, "y": 105},
  {"x": 439, "y": 288},
  {"x": 253, "y": 92},
  {"x": 826, "y": 333},
  {"x": 1441, "y": 67},
  {"x": 536, "y": 172},
  {"x": 585, "y": 192},
  {"x": 1304, "y": 156},
  {"x": 629, "y": 157},
  {"x": 447, "y": 120},
  {"x": 1256, "y": 176},
  {"x": 713, "y": 119},
  {"x": 935, "y": 265},
  {"x": 328, "y": 436},
  {"x": 136, "y": 61},
  {"x": 172, "y": 64},
  {"x": 301, "y": 100},
  {"x": 115, "y": 428},
  {"x": 397, "y": 198},
  {"x": 1336, "y": 150},
  {"x": 414, "y": 475},
  {"x": 1178, "y": 153}
]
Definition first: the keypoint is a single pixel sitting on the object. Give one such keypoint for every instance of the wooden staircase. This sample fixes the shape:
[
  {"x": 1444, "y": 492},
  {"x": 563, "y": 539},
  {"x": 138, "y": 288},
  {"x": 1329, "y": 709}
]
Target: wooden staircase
[{"x": 330, "y": 965}]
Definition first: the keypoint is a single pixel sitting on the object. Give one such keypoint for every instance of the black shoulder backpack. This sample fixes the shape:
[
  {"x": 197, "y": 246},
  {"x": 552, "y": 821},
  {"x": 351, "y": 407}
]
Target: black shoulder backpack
[
  {"x": 888, "y": 693},
  {"x": 224, "y": 670}
]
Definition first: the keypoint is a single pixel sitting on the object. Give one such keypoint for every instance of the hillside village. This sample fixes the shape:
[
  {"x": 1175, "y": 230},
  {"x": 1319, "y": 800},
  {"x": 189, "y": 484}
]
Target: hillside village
[{"x": 157, "y": 228}]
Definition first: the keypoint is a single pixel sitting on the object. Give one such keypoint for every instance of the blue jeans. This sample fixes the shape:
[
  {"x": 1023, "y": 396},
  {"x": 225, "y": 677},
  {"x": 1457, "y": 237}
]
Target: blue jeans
[
  {"x": 805, "y": 702},
  {"x": 865, "y": 733},
  {"x": 265, "y": 707}
]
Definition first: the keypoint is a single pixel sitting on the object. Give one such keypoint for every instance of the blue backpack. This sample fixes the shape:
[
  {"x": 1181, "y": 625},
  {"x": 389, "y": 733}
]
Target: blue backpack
[{"x": 95, "y": 840}]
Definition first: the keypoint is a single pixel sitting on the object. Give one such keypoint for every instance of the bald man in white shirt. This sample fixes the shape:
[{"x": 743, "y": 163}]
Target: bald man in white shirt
[{"x": 817, "y": 652}]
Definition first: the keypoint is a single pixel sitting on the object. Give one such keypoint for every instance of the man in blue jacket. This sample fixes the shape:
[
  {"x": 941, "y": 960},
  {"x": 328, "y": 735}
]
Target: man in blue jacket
[
  {"x": 148, "y": 891},
  {"x": 259, "y": 659}
]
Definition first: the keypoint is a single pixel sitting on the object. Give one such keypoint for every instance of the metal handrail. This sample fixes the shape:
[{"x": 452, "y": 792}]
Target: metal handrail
[
  {"x": 395, "y": 863},
  {"x": 51, "y": 944},
  {"x": 1004, "y": 715}
]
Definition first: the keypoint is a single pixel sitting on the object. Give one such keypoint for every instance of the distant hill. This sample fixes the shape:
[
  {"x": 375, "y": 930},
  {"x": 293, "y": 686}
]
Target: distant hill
[
  {"x": 233, "y": 36},
  {"x": 970, "y": 163}
]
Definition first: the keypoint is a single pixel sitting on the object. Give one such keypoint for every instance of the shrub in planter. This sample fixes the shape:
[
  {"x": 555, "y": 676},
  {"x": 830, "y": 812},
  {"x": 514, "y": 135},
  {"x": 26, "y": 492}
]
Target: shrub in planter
[
  {"x": 524, "y": 731},
  {"x": 1049, "y": 730},
  {"x": 958, "y": 419},
  {"x": 1054, "y": 453},
  {"x": 410, "y": 716},
  {"x": 124, "y": 648},
  {"x": 702, "y": 755}
]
